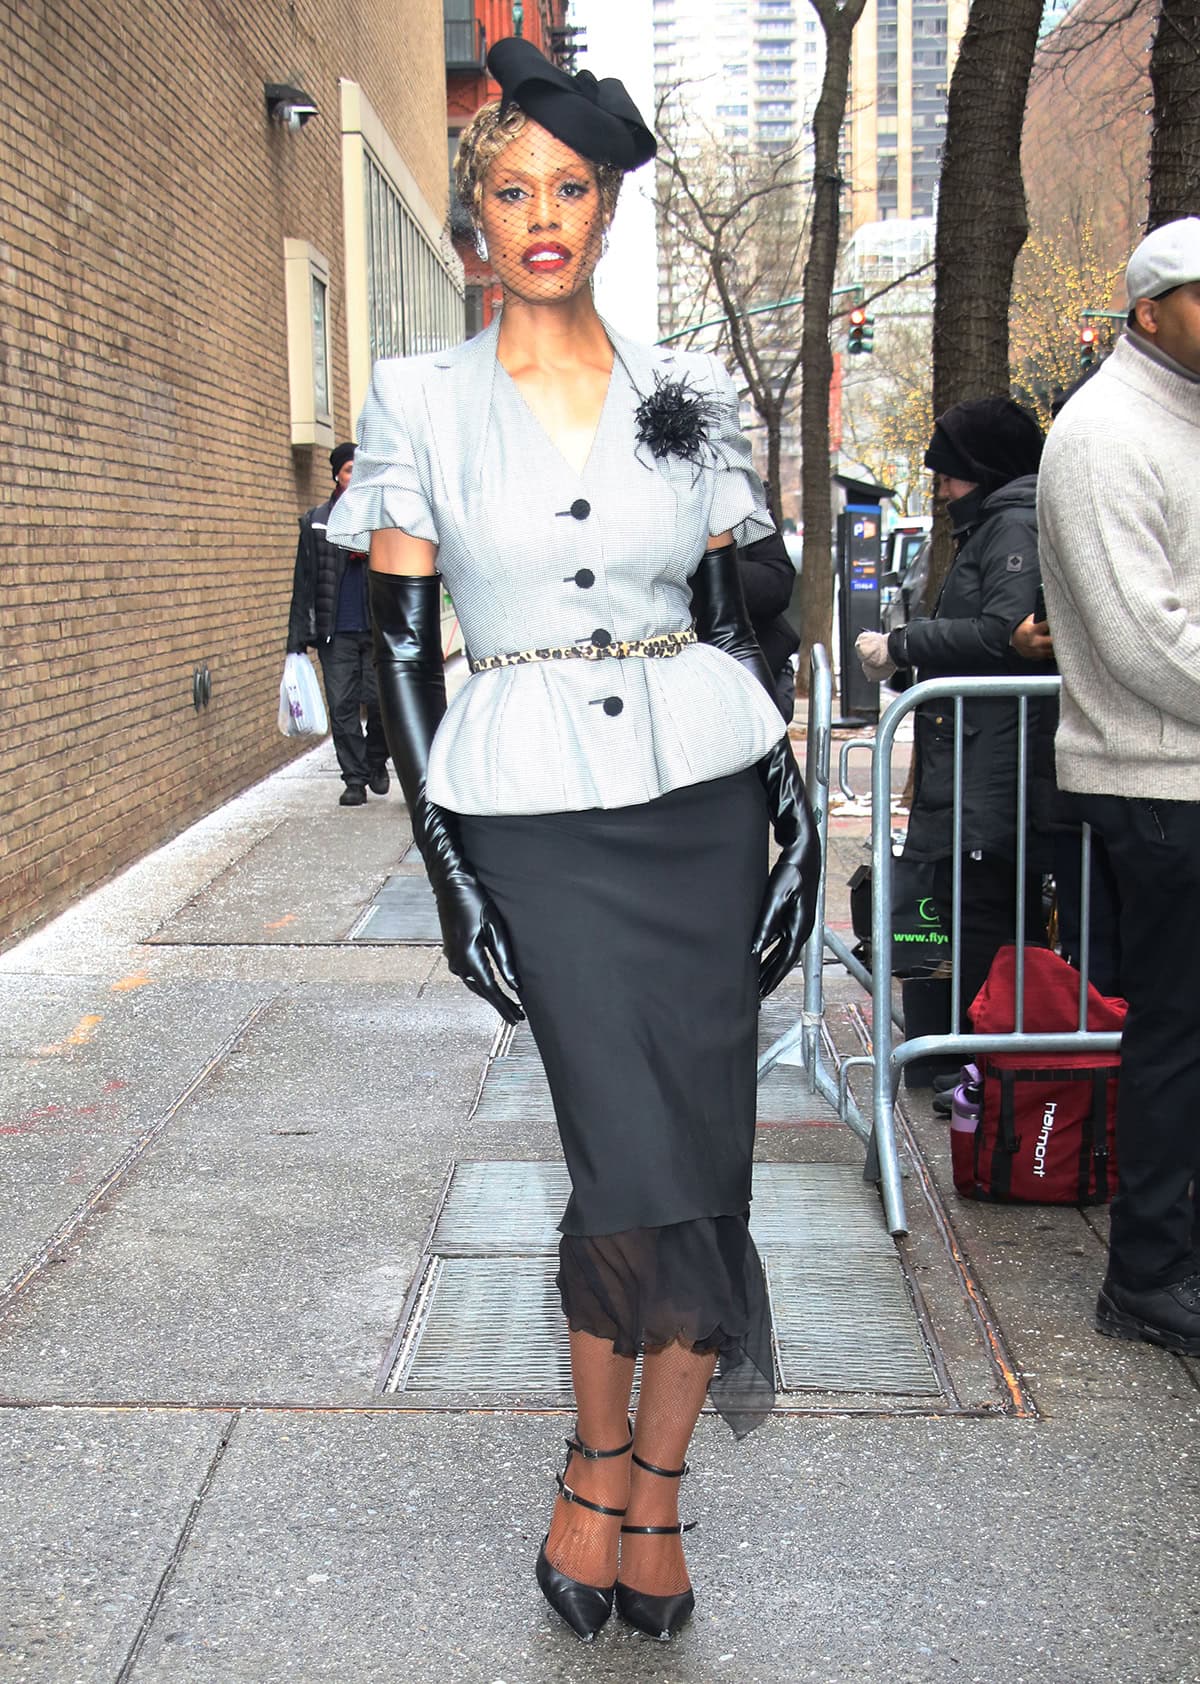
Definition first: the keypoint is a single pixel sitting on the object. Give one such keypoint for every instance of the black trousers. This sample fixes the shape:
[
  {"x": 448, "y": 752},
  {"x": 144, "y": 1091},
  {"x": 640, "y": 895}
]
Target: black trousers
[
  {"x": 1104, "y": 922},
  {"x": 1154, "y": 850},
  {"x": 349, "y": 673},
  {"x": 989, "y": 917}
]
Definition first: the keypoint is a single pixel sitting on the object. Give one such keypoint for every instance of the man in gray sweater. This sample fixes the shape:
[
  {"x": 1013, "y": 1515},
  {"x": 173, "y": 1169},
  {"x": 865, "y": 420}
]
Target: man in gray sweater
[{"x": 1119, "y": 529}]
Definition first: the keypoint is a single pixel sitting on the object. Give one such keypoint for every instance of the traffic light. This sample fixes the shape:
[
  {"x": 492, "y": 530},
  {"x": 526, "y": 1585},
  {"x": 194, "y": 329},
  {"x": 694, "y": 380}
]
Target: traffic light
[
  {"x": 1088, "y": 346},
  {"x": 860, "y": 340}
]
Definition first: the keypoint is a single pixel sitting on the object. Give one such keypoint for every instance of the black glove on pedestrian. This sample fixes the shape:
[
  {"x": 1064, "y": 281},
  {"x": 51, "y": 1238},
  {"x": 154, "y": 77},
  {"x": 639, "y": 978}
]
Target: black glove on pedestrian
[
  {"x": 406, "y": 622},
  {"x": 790, "y": 904}
]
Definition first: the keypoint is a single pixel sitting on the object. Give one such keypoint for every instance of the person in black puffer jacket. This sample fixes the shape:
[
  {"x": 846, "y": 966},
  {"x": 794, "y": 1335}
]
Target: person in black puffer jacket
[
  {"x": 984, "y": 455},
  {"x": 329, "y": 611}
]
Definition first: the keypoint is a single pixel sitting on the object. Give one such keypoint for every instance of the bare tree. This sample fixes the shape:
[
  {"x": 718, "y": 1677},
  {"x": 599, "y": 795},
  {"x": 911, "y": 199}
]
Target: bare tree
[
  {"x": 838, "y": 18},
  {"x": 732, "y": 225},
  {"x": 886, "y": 413},
  {"x": 1175, "y": 131}
]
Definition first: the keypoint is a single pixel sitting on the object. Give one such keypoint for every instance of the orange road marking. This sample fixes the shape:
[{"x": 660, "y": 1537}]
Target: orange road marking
[{"x": 82, "y": 1033}]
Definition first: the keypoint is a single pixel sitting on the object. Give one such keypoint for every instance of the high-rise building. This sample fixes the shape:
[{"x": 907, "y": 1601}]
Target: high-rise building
[
  {"x": 748, "y": 71},
  {"x": 741, "y": 79},
  {"x": 903, "y": 53},
  {"x": 743, "y": 75}
]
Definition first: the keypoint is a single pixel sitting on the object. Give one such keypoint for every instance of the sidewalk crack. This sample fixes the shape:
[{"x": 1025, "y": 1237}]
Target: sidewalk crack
[{"x": 176, "y": 1555}]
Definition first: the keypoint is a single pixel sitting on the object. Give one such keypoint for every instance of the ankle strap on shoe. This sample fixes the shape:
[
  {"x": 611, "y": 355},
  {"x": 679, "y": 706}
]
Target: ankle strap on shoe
[
  {"x": 570, "y": 1496},
  {"x": 663, "y": 1473},
  {"x": 662, "y": 1531},
  {"x": 581, "y": 1449}
]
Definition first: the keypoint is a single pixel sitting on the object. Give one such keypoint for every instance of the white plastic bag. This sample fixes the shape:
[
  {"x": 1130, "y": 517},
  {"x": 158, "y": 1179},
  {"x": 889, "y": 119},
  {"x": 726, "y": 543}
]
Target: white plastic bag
[{"x": 301, "y": 704}]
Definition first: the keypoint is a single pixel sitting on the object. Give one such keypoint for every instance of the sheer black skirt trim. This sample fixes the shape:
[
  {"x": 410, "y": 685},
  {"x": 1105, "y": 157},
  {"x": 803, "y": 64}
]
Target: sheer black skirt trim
[{"x": 698, "y": 1283}]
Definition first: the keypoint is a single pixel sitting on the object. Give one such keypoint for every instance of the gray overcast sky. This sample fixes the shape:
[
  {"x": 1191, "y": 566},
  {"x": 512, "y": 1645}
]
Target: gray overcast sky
[{"x": 620, "y": 42}]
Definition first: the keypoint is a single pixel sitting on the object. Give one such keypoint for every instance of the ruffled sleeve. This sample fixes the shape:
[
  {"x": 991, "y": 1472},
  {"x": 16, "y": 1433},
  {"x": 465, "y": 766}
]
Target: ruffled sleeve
[
  {"x": 739, "y": 502},
  {"x": 385, "y": 488}
]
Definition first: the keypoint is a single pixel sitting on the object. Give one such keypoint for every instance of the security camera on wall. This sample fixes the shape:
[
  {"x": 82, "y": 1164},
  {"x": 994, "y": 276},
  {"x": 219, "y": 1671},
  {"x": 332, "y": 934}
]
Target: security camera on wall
[{"x": 288, "y": 106}]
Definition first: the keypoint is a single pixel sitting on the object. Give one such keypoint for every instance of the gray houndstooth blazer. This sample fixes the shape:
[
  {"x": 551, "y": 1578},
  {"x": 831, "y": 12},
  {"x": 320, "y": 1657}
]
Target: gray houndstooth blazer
[{"x": 537, "y": 555}]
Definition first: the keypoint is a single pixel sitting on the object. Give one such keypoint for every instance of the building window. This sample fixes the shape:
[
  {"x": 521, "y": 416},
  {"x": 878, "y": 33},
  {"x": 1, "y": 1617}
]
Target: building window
[
  {"x": 404, "y": 283},
  {"x": 306, "y": 284},
  {"x": 320, "y": 344}
]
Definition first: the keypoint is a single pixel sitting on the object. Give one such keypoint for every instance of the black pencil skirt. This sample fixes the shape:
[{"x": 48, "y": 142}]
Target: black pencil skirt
[{"x": 631, "y": 928}]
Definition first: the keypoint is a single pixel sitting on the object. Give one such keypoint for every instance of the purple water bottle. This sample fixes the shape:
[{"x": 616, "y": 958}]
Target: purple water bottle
[
  {"x": 965, "y": 1112},
  {"x": 967, "y": 1106}
]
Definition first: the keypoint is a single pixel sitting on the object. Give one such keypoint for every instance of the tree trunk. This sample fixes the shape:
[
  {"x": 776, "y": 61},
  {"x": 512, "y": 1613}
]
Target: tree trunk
[
  {"x": 816, "y": 359},
  {"x": 982, "y": 220},
  {"x": 774, "y": 426},
  {"x": 1175, "y": 128}
]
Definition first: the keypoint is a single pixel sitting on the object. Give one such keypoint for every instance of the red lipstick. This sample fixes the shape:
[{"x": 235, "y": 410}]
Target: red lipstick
[{"x": 546, "y": 257}]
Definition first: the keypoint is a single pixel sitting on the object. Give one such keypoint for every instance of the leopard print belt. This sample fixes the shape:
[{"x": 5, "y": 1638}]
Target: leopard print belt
[{"x": 650, "y": 648}]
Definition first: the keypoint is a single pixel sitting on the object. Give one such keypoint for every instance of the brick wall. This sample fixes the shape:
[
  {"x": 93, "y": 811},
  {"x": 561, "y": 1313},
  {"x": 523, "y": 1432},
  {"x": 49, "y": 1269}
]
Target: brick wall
[{"x": 151, "y": 491}]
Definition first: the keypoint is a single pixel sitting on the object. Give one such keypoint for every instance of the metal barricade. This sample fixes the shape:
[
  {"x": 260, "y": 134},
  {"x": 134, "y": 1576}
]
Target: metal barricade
[
  {"x": 829, "y": 1073},
  {"x": 889, "y": 1056}
]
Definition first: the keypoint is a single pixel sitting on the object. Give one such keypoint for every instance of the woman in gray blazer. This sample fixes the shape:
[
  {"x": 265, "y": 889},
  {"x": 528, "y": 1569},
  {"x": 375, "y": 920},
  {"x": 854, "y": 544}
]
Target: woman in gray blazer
[{"x": 593, "y": 808}]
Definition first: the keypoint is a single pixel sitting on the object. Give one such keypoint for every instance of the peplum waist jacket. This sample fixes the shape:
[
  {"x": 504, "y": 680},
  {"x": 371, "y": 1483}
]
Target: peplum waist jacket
[{"x": 537, "y": 555}]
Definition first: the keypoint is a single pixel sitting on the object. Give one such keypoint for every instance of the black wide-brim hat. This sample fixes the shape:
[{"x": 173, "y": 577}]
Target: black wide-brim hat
[{"x": 596, "y": 119}]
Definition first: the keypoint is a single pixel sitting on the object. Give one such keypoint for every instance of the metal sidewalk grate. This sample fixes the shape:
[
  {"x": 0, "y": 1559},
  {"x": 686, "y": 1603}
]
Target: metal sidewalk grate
[
  {"x": 487, "y": 1321},
  {"x": 846, "y": 1324},
  {"x": 515, "y": 1091},
  {"x": 502, "y": 1209},
  {"x": 493, "y": 1325},
  {"x": 404, "y": 910}
]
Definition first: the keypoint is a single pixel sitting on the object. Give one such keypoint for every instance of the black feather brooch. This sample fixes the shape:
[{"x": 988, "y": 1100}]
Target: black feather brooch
[{"x": 675, "y": 420}]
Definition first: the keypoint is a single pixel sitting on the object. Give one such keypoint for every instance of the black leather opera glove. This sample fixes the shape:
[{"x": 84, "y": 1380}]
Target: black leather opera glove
[
  {"x": 790, "y": 903},
  {"x": 406, "y": 627}
]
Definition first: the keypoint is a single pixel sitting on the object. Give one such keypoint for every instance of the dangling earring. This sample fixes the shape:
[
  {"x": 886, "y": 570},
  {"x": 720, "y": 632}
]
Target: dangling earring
[{"x": 481, "y": 245}]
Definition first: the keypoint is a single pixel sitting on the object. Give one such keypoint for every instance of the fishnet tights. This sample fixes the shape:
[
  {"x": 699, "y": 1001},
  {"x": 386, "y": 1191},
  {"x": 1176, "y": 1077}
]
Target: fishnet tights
[
  {"x": 582, "y": 1544},
  {"x": 674, "y": 1382}
]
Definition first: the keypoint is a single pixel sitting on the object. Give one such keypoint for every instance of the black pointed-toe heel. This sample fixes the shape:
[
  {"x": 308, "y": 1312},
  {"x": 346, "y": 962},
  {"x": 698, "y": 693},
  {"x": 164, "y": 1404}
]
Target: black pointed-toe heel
[
  {"x": 658, "y": 1616},
  {"x": 585, "y": 1608}
]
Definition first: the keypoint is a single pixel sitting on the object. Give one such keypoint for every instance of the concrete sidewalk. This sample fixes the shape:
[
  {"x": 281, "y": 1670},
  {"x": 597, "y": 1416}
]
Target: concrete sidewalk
[{"x": 226, "y": 1132}]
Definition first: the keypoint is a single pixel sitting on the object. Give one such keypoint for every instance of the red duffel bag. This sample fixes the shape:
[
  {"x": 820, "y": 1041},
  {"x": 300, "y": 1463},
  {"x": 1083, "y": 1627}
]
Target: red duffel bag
[{"x": 1047, "y": 1131}]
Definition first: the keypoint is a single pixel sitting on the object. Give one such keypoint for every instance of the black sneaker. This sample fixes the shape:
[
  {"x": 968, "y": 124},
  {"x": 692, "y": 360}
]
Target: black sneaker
[
  {"x": 947, "y": 1083},
  {"x": 354, "y": 795},
  {"x": 379, "y": 783},
  {"x": 1165, "y": 1315},
  {"x": 943, "y": 1103}
]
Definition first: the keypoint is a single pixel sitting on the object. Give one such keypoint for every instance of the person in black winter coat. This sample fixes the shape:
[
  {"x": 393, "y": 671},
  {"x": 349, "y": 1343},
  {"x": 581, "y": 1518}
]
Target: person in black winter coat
[
  {"x": 768, "y": 579},
  {"x": 984, "y": 455},
  {"x": 329, "y": 611}
]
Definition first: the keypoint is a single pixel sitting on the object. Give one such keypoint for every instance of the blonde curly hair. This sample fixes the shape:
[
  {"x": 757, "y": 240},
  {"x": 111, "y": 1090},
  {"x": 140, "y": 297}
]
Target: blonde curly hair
[{"x": 485, "y": 138}]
